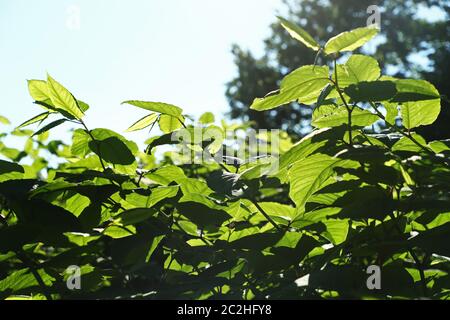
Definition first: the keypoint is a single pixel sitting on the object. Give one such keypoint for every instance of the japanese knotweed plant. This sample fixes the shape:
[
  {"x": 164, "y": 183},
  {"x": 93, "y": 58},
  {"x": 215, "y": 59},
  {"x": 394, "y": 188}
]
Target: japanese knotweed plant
[{"x": 342, "y": 200}]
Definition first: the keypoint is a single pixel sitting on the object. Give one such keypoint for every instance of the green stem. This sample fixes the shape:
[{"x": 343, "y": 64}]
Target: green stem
[
  {"x": 416, "y": 259},
  {"x": 407, "y": 135},
  {"x": 349, "y": 109},
  {"x": 96, "y": 142},
  {"x": 266, "y": 216},
  {"x": 30, "y": 265},
  {"x": 182, "y": 123}
]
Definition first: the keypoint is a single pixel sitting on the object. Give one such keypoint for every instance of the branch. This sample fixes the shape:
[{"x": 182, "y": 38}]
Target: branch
[{"x": 349, "y": 109}]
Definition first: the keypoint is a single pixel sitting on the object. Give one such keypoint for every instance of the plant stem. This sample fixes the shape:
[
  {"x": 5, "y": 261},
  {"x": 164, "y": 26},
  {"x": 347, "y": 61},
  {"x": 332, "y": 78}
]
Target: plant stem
[
  {"x": 266, "y": 215},
  {"x": 182, "y": 123},
  {"x": 96, "y": 142},
  {"x": 349, "y": 109},
  {"x": 407, "y": 135},
  {"x": 416, "y": 259},
  {"x": 30, "y": 264}
]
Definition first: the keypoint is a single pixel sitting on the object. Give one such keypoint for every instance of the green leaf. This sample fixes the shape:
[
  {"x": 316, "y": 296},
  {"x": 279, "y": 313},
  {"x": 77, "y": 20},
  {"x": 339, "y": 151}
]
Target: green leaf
[
  {"x": 206, "y": 118},
  {"x": 324, "y": 94},
  {"x": 299, "y": 34},
  {"x": 166, "y": 174},
  {"x": 308, "y": 176},
  {"x": 337, "y": 230},
  {"x": 24, "y": 278},
  {"x": 364, "y": 203},
  {"x": 405, "y": 144},
  {"x": 80, "y": 143},
  {"x": 371, "y": 91},
  {"x": 80, "y": 239},
  {"x": 160, "y": 107},
  {"x": 63, "y": 99},
  {"x": 83, "y": 105},
  {"x": 112, "y": 150},
  {"x": 201, "y": 211},
  {"x": 155, "y": 141},
  {"x": 306, "y": 146},
  {"x": 143, "y": 122},
  {"x": 4, "y": 120},
  {"x": 358, "y": 68},
  {"x": 350, "y": 40},
  {"x": 155, "y": 242},
  {"x": 391, "y": 112},
  {"x": 118, "y": 232},
  {"x": 136, "y": 215},
  {"x": 38, "y": 90},
  {"x": 49, "y": 126},
  {"x": 420, "y": 113},
  {"x": 303, "y": 84},
  {"x": 38, "y": 118},
  {"x": 161, "y": 193},
  {"x": 434, "y": 240},
  {"x": 414, "y": 90},
  {"x": 7, "y": 167},
  {"x": 275, "y": 209},
  {"x": 113, "y": 147},
  {"x": 169, "y": 123},
  {"x": 331, "y": 116},
  {"x": 225, "y": 183},
  {"x": 440, "y": 146}
]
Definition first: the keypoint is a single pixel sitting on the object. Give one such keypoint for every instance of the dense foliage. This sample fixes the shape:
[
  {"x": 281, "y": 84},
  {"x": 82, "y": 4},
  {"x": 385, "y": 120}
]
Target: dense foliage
[
  {"x": 405, "y": 35},
  {"x": 341, "y": 199}
]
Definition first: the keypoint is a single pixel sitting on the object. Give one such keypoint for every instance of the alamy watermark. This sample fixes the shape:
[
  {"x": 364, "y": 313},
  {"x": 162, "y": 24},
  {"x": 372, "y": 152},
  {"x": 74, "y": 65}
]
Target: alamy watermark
[
  {"x": 374, "y": 19},
  {"x": 374, "y": 280},
  {"x": 73, "y": 281},
  {"x": 73, "y": 19}
]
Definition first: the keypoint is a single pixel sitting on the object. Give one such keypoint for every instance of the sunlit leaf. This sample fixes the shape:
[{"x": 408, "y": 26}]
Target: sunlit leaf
[
  {"x": 303, "y": 84},
  {"x": 299, "y": 34},
  {"x": 62, "y": 98},
  {"x": 143, "y": 122},
  {"x": 350, "y": 40},
  {"x": 160, "y": 107}
]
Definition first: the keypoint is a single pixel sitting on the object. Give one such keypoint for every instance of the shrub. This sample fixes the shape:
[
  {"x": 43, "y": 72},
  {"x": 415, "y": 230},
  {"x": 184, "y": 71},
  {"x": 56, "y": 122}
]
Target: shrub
[{"x": 344, "y": 198}]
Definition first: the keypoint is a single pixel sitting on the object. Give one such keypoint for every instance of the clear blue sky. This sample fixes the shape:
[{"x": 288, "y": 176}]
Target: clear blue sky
[{"x": 175, "y": 51}]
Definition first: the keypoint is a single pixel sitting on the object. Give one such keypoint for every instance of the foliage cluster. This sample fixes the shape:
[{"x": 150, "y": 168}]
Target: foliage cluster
[{"x": 342, "y": 199}]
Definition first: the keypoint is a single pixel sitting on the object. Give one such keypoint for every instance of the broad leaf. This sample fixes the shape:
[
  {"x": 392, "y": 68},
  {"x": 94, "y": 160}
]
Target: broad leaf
[
  {"x": 169, "y": 123},
  {"x": 350, "y": 40},
  {"x": 38, "y": 90},
  {"x": 49, "y": 126},
  {"x": 414, "y": 90},
  {"x": 38, "y": 118},
  {"x": 136, "y": 215},
  {"x": 299, "y": 34},
  {"x": 358, "y": 68},
  {"x": 143, "y": 122},
  {"x": 331, "y": 116},
  {"x": 113, "y": 147},
  {"x": 206, "y": 118},
  {"x": 303, "y": 84},
  {"x": 160, "y": 107},
  {"x": 371, "y": 91},
  {"x": 63, "y": 99},
  {"x": 308, "y": 176}
]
